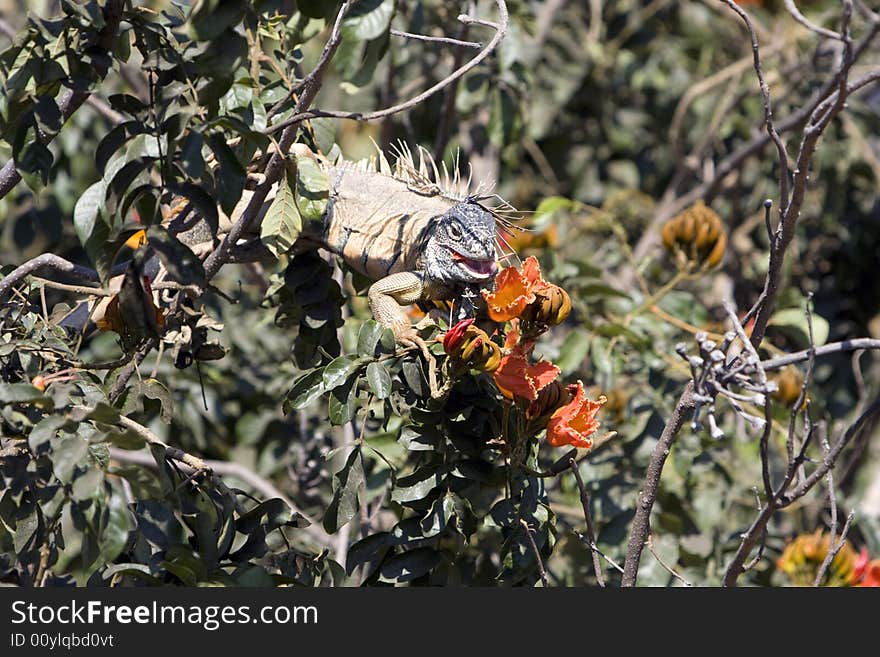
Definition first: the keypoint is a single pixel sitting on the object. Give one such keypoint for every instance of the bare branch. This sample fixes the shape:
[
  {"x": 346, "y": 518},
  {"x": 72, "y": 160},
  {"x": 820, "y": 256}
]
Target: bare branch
[
  {"x": 588, "y": 518},
  {"x": 833, "y": 348},
  {"x": 433, "y": 39},
  {"x": 665, "y": 566},
  {"x": 768, "y": 110},
  {"x": 642, "y": 521},
  {"x": 46, "y": 260},
  {"x": 803, "y": 20}
]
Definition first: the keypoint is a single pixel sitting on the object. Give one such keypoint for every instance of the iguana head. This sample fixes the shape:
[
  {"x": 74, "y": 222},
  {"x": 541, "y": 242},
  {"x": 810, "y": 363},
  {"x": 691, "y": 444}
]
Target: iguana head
[{"x": 461, "y": 245}]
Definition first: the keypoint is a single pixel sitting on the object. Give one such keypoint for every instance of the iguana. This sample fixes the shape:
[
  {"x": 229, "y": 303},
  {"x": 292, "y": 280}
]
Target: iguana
[{"x": 419, "y": 239}]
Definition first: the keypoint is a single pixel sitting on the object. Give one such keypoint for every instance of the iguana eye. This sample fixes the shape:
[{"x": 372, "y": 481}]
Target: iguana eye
[{"x": 454, "y": 232}]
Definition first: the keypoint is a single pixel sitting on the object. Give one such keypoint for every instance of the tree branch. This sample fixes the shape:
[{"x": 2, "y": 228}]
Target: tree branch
[
  {"x": 641, "y": 524},
  {"x": 46, "y": 260}
]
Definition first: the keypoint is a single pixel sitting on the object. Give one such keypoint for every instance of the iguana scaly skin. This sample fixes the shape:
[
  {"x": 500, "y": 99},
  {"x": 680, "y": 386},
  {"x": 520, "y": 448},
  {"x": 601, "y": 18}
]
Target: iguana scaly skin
[{"x": 418, "y": 240}]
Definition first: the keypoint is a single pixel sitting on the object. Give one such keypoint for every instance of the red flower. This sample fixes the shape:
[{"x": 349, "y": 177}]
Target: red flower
[
  {"x": 573, "y": 423},
  {"x": 514, "y": 290},
  {"x": 455, "y": 335},
  {"x": 517, "y": 377}
]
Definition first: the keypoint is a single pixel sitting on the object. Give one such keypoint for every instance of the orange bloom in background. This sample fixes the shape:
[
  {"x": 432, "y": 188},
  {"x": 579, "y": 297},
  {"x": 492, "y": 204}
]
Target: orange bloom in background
[
  {"x": 514, "y": 290},
  {"x": 517, "y": 377},
  {"x": 871, "y": 575},
  {"x": 573, "y": 423}
]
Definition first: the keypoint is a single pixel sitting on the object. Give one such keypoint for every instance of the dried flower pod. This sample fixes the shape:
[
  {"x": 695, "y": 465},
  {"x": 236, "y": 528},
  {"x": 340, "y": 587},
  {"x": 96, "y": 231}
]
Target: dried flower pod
[
  {"x": 551, "y": 306},
  {"x": 549, "y": 399},
  {"x": 696, "y": 236},
  {"x": 471, "y": 346}
]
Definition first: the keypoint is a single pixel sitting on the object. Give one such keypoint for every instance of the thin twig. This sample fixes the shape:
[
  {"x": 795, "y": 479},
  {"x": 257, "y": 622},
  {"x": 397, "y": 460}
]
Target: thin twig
[
  {"x": 535, "y": 552},
  {"x": 433, "y": 39},
  {"x": 669, "y": 569},
  {"x": 834, "y": 548},
  {"x": 591, "y": 536},
  {"x": 807, "y": 23}
]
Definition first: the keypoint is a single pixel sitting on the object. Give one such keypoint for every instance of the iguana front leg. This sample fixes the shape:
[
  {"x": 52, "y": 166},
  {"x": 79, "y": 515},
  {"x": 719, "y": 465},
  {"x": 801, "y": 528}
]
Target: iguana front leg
[{"x": 387, "y": 296}]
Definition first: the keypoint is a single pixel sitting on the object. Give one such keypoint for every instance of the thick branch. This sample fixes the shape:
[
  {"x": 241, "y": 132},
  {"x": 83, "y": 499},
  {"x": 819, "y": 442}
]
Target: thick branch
[
  {"x": 310, "y": 86},
  {"x": 46, "y": 260}
]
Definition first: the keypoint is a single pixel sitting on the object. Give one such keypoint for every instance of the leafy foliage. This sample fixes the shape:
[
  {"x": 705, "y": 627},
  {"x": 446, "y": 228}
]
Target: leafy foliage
[{"x": 329, "y": 461}]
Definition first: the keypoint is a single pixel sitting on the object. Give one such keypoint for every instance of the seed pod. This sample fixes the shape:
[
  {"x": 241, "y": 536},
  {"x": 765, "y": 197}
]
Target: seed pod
[
  {"x": 551, "y": 306},
  {"x": 471, "y": 346},
  {"x": 549, "y": 399},
  {"x": 696, "y": 236}
]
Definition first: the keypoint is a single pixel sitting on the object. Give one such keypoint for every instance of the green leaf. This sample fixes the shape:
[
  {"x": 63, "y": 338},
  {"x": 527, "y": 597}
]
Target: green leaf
[
  {"x": 347, "y": 485},
  {"x": 19, "y": 393},
  {"x": 282, "y": 223},
  {"x": 343, "y": 402},
  {"x": 419, "y": 439},
  {"x": 230, "y": 175},
  {"x": 794, "y": 320},
  {"x": 416, "y": 486},
  {"x": 155, "y": 389},
  {"x": 210, "y": 18},
  {"x": 312, "y": 188},
  {"x": 409, "y": 565},
  {"x": 379, "y": 380},
  {"x": 368, "y": 337},
  {"x": 25, "y": 528},
  {"x": 306, "y": 389},
  {"x": 572, "y": 353},
  {"x": 415, "y": 377},
  {"x": 67, "y": 453},
  {"x": 339, "y": 369},
  {"x": 87, "y": 211},
  {"x": 368, "y": 19}
]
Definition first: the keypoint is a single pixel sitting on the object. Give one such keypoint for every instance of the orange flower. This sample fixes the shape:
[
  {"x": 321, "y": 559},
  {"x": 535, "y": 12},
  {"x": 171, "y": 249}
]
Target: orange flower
[
  {"x": 872, "y": 574},
  {"x": 573, "y": 423},
  {"x": 514, "y": 290},
  {"x": 137, "y": 240},
  {"x": 517, "y": 377},
  {"x": 470, "y": 345}
]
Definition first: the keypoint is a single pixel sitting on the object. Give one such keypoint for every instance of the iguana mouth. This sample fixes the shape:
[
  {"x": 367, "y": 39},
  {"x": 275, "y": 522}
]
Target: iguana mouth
[{"x": 478, "y": 267}]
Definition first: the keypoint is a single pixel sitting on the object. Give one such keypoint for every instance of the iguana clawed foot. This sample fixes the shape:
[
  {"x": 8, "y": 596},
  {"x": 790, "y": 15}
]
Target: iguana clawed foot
[{"x": 407, "y": 335}]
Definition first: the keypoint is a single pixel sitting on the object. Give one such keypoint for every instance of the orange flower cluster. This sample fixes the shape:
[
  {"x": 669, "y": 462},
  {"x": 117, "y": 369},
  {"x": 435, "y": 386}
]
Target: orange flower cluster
[
  {"x": 531, "y": 305},
  {"x": 802, "y": 558},
  {"x": 524, "y": 294}
]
